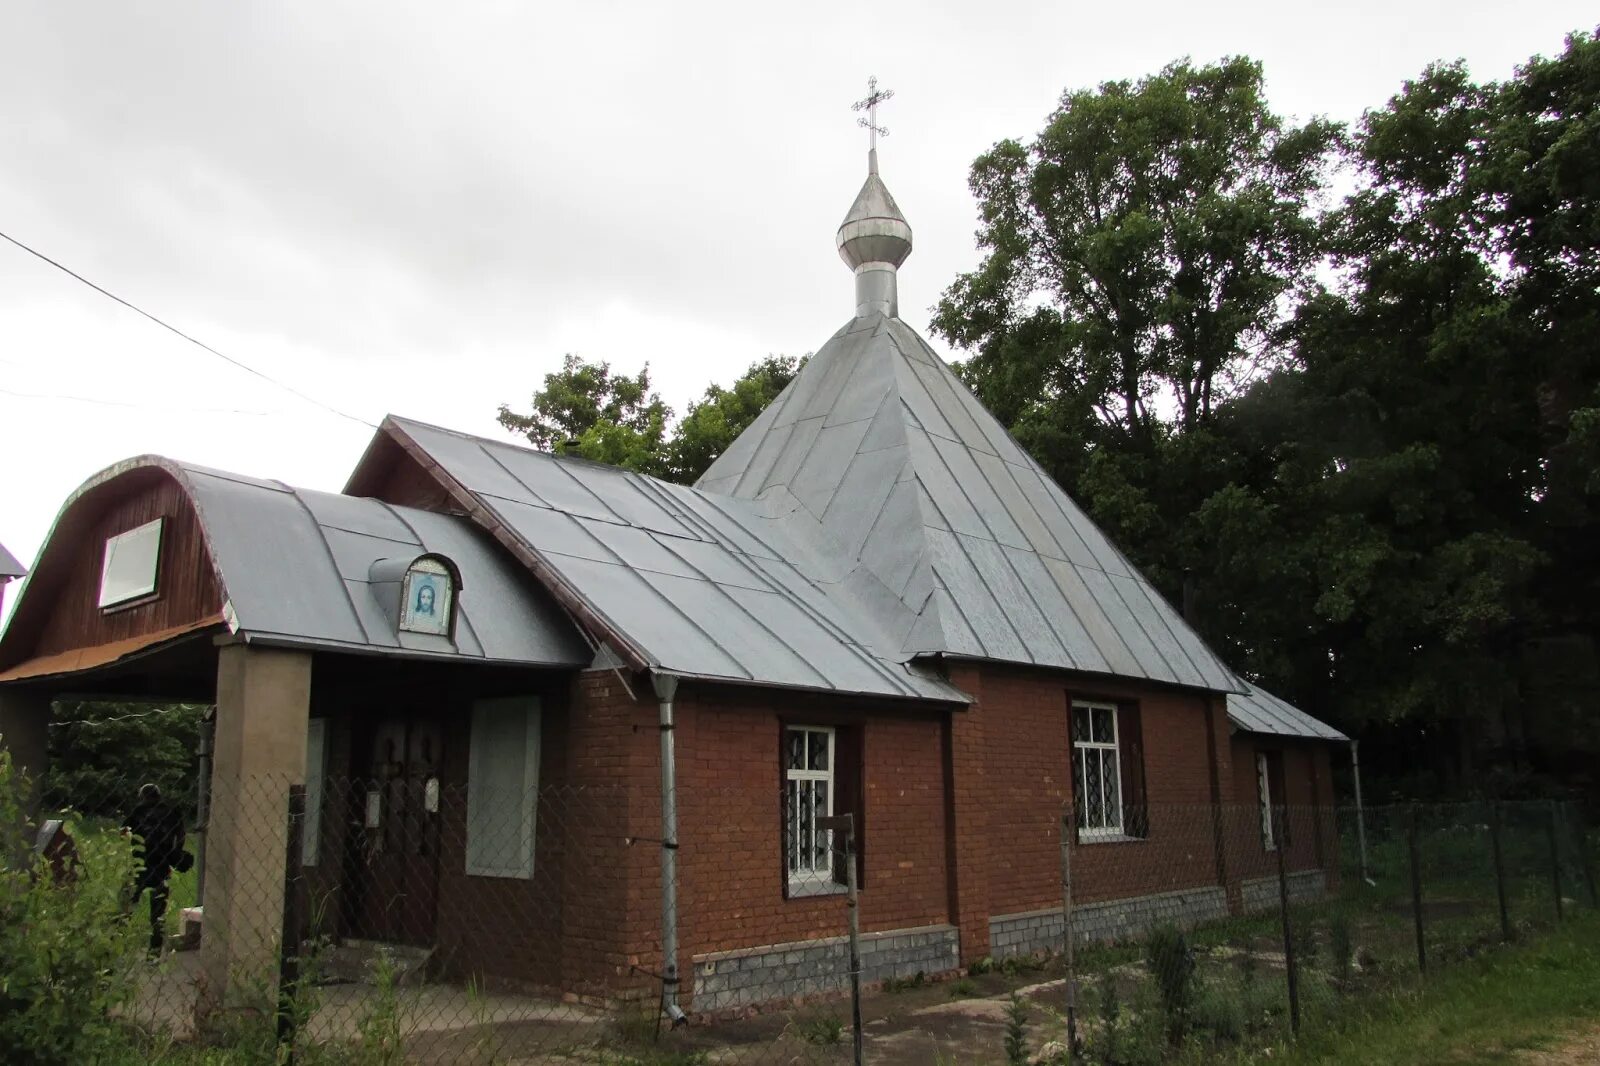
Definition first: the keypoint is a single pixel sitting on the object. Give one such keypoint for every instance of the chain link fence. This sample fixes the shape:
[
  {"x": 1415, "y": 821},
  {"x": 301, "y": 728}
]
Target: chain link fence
[{"x": 435, "y": 924}]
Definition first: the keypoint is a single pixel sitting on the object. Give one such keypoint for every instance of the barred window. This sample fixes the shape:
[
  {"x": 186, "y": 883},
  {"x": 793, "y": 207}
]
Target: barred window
[
  {"x": 1096, "y": 770},
  {"x": 809, "y": 760}
]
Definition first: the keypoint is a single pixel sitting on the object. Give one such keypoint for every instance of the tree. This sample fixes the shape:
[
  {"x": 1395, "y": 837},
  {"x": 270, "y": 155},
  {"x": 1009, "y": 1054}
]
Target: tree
[
  {"x": 584, "y": 409},
  {"x": 102, "y": 752},
  {"x": 1138, "y": 256},
  {"x": 718, "y": 419}
]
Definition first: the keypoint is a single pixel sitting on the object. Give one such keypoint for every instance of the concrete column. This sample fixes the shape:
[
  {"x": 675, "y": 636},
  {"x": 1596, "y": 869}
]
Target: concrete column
[
  {"x": 24, "y": 731},
  {"x": 263, "y": 706}
]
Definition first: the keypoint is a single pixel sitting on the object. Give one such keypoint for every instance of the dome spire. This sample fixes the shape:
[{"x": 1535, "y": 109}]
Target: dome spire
[{"x": 875, "y": 237}]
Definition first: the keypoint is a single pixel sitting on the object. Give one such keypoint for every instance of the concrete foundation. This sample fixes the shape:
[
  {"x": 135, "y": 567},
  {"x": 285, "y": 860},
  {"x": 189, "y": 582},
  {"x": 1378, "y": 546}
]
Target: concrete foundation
[
  {"x": 263, "y": 705},
  {"x": 1261, "y": 893},
  {"x": 1031, "y": 932},
  {"x": 727, "y": 979}
]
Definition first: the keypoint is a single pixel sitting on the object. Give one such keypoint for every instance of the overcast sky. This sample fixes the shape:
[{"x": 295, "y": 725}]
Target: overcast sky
[{"x": 419, "y": 208}]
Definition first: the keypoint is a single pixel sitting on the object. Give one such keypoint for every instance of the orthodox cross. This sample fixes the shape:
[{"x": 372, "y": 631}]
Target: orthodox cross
[{"x": 870, "y": 106}]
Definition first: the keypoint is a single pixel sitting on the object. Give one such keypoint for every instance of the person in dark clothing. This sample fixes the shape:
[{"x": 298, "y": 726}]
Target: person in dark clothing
[{"x": 158, "y": 848}]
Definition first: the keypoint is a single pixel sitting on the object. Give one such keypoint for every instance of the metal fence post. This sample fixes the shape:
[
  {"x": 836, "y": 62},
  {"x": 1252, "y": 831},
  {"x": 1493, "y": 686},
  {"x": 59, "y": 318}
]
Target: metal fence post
[
  {"x": 1415, "y": 845},
  {"x": 1499, "y": 869},
  {"x": 1290, "y": 969},
  {"x": 1555, "y": 857},
  {"x": 1585, "y": 859},
  {"x": 289, "y": 935},
  {"x": 1068, "y": 941},
  {"x": 843, "y": 827}
]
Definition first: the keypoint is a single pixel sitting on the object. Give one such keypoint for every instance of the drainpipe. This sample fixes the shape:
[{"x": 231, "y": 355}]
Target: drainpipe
[
  {"x": 1361, "y": 813},
  {"x": 666, "y": 686}
]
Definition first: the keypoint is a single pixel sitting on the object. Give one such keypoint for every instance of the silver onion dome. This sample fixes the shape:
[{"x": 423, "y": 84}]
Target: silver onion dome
[{"x": 874, "y": 240}]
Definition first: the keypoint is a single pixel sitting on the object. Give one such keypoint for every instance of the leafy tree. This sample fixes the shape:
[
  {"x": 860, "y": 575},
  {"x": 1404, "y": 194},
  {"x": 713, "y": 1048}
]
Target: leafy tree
[
  {"x": 718, "y": 419},
  {"x": 584, "y": 409},
  {"x": 100, "y": 753},
  {"x": 1137, "y": 256}
]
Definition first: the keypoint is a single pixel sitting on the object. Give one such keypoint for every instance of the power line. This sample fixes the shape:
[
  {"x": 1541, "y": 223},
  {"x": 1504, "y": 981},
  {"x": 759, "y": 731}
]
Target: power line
[
  {"x": 135, "y": 406},
  {"x": 197, "y": 343}
]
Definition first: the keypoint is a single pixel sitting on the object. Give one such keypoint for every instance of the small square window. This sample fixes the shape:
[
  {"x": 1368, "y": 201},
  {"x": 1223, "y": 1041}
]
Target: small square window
[{"x": 131, "y": 563}]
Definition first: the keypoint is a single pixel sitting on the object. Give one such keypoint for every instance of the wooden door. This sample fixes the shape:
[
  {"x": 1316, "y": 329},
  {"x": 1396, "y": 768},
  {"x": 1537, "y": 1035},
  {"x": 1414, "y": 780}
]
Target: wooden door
[{"x": 394, "y": 821}]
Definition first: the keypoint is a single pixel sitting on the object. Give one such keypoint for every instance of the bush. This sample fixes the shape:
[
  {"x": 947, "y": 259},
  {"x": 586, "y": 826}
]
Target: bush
[
  {"x": 1171, "y": 962},
  {"x": 1016, "y": 1032},
  {"x": 67, "y": 948}
]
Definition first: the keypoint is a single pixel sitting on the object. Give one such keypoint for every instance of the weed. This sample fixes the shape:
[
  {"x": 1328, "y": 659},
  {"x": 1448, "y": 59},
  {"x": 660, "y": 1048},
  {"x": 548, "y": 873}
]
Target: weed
[
  {"x": 905, "y": 984},
  {"x": 1342, "y": 943},
  {"x": 1171, "y": 962},
  {"x": 1016, "y": 1032},
  {"x": 822, "y": 1029},
  {"x": 1109, "y": 1004},
  {"x": 962, "y": 989},
  {"x": 982, "y": 966}
]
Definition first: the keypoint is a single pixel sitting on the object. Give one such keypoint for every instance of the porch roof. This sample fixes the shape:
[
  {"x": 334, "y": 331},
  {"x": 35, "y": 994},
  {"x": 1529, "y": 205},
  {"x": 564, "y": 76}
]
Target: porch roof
[{"x": 1259, "y": 711}]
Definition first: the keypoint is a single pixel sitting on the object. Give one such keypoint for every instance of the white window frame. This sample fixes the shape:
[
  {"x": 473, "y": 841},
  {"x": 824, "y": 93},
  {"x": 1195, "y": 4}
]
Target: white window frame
[
  {"x": 530, "y": 707},
  {"x": 316, "y": 777},
  {"x": 125, "y": 545},
  {"x": 1269, "y": 835},
  {"x": 809, "y": 879},
  {"x": 1080, "y": 754}
]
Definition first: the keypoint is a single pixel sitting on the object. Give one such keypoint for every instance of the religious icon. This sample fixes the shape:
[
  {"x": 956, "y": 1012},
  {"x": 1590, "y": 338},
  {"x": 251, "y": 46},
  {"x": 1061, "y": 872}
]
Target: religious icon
[{"x": 428, "y": 592}]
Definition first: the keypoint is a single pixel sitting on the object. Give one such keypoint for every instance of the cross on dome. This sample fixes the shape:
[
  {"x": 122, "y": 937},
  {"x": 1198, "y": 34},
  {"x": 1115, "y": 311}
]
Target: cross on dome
[{"x": 874, "y": 97}]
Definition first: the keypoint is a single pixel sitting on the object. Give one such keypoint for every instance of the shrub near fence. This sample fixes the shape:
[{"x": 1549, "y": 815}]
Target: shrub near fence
[{"x": 1212, "y": 930}]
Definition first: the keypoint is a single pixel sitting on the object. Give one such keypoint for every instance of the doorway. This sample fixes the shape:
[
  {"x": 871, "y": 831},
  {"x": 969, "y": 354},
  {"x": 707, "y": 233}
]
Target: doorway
[{"x": 392, "y": 853}]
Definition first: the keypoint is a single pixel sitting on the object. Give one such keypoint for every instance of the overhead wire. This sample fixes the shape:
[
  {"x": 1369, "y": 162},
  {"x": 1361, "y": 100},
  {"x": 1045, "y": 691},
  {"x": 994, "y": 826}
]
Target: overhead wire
[
  {"x": 230, "y": 360},
  {"x": 134, "y": 406}
]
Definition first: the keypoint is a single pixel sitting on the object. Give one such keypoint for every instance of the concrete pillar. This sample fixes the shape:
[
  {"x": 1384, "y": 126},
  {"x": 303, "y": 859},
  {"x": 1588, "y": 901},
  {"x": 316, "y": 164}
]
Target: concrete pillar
[
  {"x": 263, "y": 706},
  {"x": 24, "y": 731}
]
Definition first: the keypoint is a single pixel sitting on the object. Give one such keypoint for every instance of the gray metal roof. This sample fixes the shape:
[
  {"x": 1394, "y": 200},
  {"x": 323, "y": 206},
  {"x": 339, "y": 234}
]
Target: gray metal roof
[
  {"x": 1258, "y": 711},
  {"x": 949, "y": 532},
  {"x": 295, "y": 565},
  {"x": 701, "y": 585},
  {"x": 294, "y": 568},
  {"x": 9, "y": 567}
]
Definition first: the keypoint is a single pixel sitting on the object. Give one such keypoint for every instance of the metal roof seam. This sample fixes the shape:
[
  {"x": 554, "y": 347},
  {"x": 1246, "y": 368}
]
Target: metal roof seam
[
  {"x": 333, "y": 561},
  {"x": 982, "y": 645},
  {"x": 751, "y": 615},
  {"x": 1155, "y": 646},
  {"x": 848, "y": 640}
]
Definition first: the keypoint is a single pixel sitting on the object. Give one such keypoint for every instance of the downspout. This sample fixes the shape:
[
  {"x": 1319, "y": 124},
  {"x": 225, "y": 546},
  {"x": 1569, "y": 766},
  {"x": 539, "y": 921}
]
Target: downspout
[
  {"x": 1361, "y": 813},
  {"x": 666, "y": 686}
]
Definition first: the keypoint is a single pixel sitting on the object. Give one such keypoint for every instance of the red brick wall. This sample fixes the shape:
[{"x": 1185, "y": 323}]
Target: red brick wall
[
  {"x": 731, "y": 877},
  {"x": 1309, "y": 797}
]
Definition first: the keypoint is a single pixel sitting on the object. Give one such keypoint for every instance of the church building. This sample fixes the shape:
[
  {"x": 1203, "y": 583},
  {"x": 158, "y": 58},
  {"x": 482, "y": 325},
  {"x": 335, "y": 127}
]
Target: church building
[{"x": 569, "y": 727}]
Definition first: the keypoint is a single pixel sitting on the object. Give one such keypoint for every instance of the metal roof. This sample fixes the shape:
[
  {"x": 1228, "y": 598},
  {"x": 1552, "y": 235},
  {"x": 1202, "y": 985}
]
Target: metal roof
[
  {"x": 1258, "y": 711},
  {"x": 955, "y": 538},
  {"x": 9, "y": 567},
  {"x": 699, "y": 585},
  {"x": 294, "y": 567}
]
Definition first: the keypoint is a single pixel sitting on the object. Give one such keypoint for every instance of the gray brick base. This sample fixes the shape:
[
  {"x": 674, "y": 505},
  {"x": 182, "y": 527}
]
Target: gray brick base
[
  {"x": 1117, "y": 919},
  {"x": 1261, "y": 893},
  {"x": 727, "y": 979}
]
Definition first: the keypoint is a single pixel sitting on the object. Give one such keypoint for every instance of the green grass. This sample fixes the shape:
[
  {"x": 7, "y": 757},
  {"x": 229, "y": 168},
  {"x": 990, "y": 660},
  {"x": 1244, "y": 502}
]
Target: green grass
[{"x": 1481, "y": 1011}]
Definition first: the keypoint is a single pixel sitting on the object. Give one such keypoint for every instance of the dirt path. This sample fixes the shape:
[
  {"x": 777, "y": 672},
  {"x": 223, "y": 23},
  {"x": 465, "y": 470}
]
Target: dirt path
[{"x": 1582, "y": 1046}]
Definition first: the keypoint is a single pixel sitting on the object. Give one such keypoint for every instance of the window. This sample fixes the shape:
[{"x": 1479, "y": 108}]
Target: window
[
  {"x": 316, "y": 769},
  {"x": 809, "y": 758},
  {"x": 128, "y": 571},
  {"x": 1096, "y": 769},
  {"x": 1269, "y": 788},
  {"x": 503, "y": 787}
]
